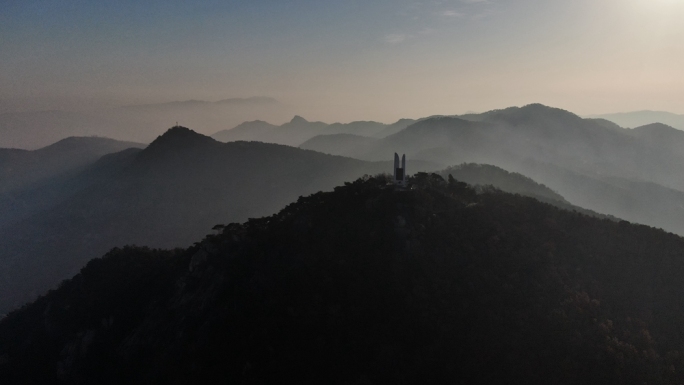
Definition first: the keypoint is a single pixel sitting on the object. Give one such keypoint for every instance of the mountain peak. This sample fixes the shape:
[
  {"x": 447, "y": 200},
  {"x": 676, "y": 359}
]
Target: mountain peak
[
  {"x": 529, "y": 113},
  {"x": 656, "y": 127},
  {"x": 179, "y": 137},
  {"x": 539, "y": 108},
  {"x": 180, "y": 133},
  {"x": 659, "y": 131},
  {"x": 79, "y": 143},
  {"x": 298, "y": 120}
]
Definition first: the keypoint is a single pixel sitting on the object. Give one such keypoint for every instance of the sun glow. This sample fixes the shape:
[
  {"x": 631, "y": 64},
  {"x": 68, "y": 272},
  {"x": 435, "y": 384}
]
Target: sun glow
[{"x": 660, "y": 3}]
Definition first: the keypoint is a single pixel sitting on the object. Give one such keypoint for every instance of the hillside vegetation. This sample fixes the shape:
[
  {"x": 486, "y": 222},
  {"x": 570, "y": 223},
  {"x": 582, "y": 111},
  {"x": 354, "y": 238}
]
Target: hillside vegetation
[{"x": 370, "y": 284}]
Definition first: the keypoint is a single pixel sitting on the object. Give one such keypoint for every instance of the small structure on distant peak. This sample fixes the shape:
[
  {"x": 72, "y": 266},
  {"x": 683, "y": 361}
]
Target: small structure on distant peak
[{"x": 400, "y": 177}]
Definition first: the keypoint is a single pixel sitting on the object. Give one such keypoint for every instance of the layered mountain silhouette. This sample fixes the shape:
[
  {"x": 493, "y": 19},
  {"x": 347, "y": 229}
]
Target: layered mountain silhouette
[
  {"x": 338, "y": 144},
  {"x": 661, "y": 137},
  {"x": 299, "y": 130},
  {"x": 483, "y": 174},
  {"x": 139, "y": 123},
  {"x": 643, "y": 118},
  {"x": 33, "y": 180},
  {"x": 591, "y": 162},
  {"x": 174, "y": 191},
  {"x": 167, "y": 195},
  {"x": 19, "y": 168},
  {"x": 369, "y": 284}
]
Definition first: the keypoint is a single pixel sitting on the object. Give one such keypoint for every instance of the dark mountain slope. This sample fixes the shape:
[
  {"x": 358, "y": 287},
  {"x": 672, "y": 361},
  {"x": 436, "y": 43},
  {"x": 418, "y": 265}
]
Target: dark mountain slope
[
  {"x": 20, "y": 167},
  {"x": 31, "y": 181},
  {"x": 167, "y": 195},
  {"x": 484, "y": 174},
  {"x": 371, "y": 285},
  {"x": 606, "y": 124},
  {"x": 22, "y": 203}
]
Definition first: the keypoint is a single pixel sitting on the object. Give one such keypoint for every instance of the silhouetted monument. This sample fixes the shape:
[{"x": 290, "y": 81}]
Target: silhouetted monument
[{"x": 400, "y": 177}]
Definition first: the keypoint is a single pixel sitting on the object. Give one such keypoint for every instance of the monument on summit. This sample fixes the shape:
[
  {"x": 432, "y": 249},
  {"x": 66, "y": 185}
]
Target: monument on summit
[{"x": 400, "y": 178}]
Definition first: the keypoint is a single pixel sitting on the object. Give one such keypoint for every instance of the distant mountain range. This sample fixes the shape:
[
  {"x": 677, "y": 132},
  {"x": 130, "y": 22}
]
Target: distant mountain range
[
  {"x": 595, "y": 164},
  {"x": 299, "y": 130},
  {"x": 642, "y": 118},
  {"x": 139, "y": 123},
  {"x": 21, "y": 167},
  {"x": 32, "y": 180}
]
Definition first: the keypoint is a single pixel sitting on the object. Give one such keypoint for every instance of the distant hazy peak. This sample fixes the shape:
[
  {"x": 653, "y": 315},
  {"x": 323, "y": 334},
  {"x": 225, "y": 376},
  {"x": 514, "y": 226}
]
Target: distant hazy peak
[
  {"x": 85, "y": 140},
  {"x": 660, "y": 134},
  {"x": 643, "y": 112},
  {"x": 659, "y": 127},
  {"x": 298, "y": 120},
  {"x": 527, "y": 114},
  {"x": 540, "y": 108},
  {"x": 253, "y": 124},
  {"x": 258, "y": 121},
  {"x": 180, "y": 136},
  {"x": 404, "y": 120},
  {"x": 533, "y": 108},
  {"x": 441, "y": 120}
]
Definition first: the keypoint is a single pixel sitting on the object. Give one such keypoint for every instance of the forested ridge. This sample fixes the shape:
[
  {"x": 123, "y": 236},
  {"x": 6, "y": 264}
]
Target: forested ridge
[{"x": 369, "y": 284}]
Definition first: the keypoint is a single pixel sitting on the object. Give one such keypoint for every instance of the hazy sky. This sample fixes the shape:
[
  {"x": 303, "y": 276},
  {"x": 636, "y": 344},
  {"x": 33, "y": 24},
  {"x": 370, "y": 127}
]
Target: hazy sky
[{"x": 347, "y": 59}]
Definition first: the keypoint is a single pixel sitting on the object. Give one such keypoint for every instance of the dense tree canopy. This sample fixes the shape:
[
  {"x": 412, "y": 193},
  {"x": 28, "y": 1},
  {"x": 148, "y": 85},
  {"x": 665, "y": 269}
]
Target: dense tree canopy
[{"x": 372, "y": 284}]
